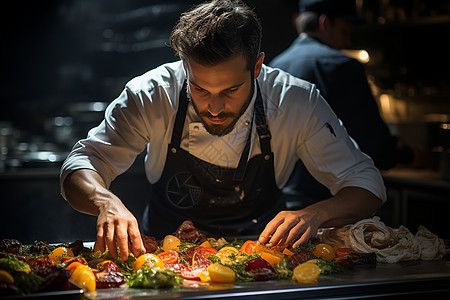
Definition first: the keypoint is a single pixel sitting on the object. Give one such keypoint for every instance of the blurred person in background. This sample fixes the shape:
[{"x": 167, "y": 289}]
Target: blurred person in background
[{"x": 325, "y": 27}]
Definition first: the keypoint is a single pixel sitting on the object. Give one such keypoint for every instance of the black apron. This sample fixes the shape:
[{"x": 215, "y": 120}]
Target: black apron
[{"x": 220, "y": 201}]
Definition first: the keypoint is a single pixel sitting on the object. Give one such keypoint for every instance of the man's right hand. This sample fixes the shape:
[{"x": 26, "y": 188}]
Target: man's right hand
[{"x": 86, "y": 192}]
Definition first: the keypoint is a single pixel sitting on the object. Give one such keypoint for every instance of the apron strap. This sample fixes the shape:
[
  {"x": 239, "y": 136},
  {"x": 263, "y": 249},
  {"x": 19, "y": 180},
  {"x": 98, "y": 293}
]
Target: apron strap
[
  {"x": 263, "y": 132},
  {"x": 181, "y": 117}
]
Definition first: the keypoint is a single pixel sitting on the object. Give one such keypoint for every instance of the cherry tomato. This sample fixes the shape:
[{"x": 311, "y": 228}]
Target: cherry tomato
[
  {"x": 249, "y": 247},
  {"x": 325, "y": 251},
  {"x": 169, "y": 257},
  {"x": 341, "y": 252}
]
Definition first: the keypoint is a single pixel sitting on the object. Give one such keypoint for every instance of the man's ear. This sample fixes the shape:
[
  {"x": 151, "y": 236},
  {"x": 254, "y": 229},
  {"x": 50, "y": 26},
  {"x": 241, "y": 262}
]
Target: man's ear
[
  {"x": 258, "y": 64},
  {"x": 324, "y": 21}
]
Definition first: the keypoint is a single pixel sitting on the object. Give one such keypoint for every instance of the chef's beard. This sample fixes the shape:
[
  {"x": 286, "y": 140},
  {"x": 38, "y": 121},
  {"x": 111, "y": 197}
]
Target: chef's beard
[{"x": 217, "y": 129}]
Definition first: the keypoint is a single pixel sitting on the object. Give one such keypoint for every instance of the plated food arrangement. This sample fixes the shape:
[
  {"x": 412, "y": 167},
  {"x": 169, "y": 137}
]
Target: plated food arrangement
[{"x": 188, "y": 254}]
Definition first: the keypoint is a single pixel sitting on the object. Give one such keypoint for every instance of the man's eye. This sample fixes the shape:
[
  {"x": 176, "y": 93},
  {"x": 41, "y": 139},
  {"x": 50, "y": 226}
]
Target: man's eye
[
  {"x": 200, "y": 90},
  {"x": 233, "y": 90}
]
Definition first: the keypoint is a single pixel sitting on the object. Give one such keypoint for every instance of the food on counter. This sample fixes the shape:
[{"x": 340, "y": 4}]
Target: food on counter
[
  {"x": 189, "y": 254},
  {"x": 306, "y": 273},
  {"x": 390, "y": 245}
]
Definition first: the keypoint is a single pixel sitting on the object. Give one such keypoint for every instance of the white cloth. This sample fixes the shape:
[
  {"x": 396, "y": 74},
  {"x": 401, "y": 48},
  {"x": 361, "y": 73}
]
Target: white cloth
[
  {"x": 144, "y": 115},
  {"x": 390, "y": 245}
]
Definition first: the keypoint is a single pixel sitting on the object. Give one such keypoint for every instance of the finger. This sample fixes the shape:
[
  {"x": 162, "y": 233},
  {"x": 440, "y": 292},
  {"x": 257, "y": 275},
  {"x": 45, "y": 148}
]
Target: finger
[
  {"x": 136, "y": 240},
  {"x": 283, "y": 230},
  {"x": 100, "y": 238},
  {"x": 294, "y": 233},
  {"x": 110, "y": 240},
  {"x": 269, "y": 229},
  {"x": 122, "y": 241},
  {"x": 306, "y": 236}
]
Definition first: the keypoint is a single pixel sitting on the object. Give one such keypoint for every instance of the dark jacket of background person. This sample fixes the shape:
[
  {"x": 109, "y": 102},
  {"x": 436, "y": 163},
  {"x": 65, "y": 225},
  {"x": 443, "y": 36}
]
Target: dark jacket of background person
[{"x": 343, "y": 83}]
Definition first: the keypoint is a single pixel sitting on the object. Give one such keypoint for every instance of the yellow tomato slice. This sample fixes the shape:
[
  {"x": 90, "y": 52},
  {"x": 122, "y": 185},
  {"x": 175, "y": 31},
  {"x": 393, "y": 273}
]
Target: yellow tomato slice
[
  {"x": 61, "y": 252},
  {"x": 148, "y": 260},
  {"x": 220, "y": 273},
  {"x": 204, "y": 276},
  {"x": 229, "y": 250},
  {"x": 83, "y": 277},
  {"x": 306, "y": 273},
  {"x": 171, "y": 242}
]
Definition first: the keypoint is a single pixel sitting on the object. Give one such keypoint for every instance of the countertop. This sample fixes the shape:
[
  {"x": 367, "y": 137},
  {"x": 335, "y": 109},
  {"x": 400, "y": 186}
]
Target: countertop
[{"x": 405, "y": 278}]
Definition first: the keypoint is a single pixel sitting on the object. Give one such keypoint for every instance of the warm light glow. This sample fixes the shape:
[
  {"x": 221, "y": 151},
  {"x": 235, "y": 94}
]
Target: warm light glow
[
  {"x": 361, "y": 55},
  {"x": 364, "y": 56}
]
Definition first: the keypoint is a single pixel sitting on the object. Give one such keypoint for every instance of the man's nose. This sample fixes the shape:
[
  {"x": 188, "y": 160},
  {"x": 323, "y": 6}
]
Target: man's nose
[{"x": 216, "y": 105}]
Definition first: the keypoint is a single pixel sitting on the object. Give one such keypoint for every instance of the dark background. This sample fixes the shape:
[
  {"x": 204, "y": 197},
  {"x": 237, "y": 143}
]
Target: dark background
[{"x": 59, "y": 54}]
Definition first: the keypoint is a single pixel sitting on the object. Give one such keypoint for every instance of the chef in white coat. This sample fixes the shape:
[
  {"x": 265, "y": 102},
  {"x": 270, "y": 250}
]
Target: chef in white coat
[{"x": 222, "y": 133}]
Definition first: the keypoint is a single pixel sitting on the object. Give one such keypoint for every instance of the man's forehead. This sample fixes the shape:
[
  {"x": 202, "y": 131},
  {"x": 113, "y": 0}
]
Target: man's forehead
[{"x": 225, "y": 74}]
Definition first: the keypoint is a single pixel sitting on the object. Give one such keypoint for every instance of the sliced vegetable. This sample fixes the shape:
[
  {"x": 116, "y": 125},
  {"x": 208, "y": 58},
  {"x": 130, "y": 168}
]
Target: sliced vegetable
[
  {"x": 148, "y": 260},
  {"x": 73, "y": 266},
  {"x": 84, "y": 277},
  {"x": 341, "y": 252},
  {"x": 206, "y": 251},
  {"x": 271, "y": 258},
  {"x": 306, "y": 273},
  {"x": 61, "y": 252},
  {"x": 249, "y": 247},
  {"x": 220, "y": 273},
  {"x": 192, "y": 272},
  {"x": 261, "y": 269},
  {"x": 206, "y": 244},
  {"x": 171, "y": 242},
  {"x": 229, "y": 250},
  {"x": 68, "y": 260},
  {"x": 324, "y": 251},
  {"x": 169, "y": 257}
]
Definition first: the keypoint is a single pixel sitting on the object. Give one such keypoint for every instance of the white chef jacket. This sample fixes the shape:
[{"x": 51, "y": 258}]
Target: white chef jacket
[{"x": 301, "y": 123}]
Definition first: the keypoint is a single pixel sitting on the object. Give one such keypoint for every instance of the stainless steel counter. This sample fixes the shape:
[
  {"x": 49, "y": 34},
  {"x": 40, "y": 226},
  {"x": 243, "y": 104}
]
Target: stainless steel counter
[{"x": 406, "y": 278}]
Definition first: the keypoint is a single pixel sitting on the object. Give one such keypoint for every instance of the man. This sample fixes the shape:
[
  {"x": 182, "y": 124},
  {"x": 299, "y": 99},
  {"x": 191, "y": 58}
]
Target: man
[
  {"x": 325, "y": 26},
  {"x": 222, "y": 133}
]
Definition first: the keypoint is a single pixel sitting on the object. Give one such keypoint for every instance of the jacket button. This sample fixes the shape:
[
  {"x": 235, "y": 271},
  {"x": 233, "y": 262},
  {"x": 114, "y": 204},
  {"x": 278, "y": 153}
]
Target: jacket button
[
  {"x": 174, "y": 150},
  {"x": 267, "y": 157}
]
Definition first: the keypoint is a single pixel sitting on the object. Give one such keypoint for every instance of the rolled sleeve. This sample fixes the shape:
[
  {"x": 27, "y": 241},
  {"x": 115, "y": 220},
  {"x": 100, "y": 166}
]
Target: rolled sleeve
[{"x": 110, "y": 148}]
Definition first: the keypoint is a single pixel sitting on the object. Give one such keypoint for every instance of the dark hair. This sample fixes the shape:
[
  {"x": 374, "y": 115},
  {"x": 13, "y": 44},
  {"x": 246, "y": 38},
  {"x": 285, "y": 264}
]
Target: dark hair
[
  {"x": 214, "y": 31},
  {"x": 308, "y": 22}
]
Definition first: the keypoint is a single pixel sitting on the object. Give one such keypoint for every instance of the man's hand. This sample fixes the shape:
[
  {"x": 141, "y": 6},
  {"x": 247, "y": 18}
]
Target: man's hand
[
  {"x": 288, "y": 227},
  {"x": 115, "y": 223},
  {"x": 87, "y": 193},
  {"x": 349, "y": 205}
]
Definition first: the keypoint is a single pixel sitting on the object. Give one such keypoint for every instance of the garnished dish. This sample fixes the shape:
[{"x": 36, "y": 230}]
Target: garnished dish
[{"x": 187, "y": 254}]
